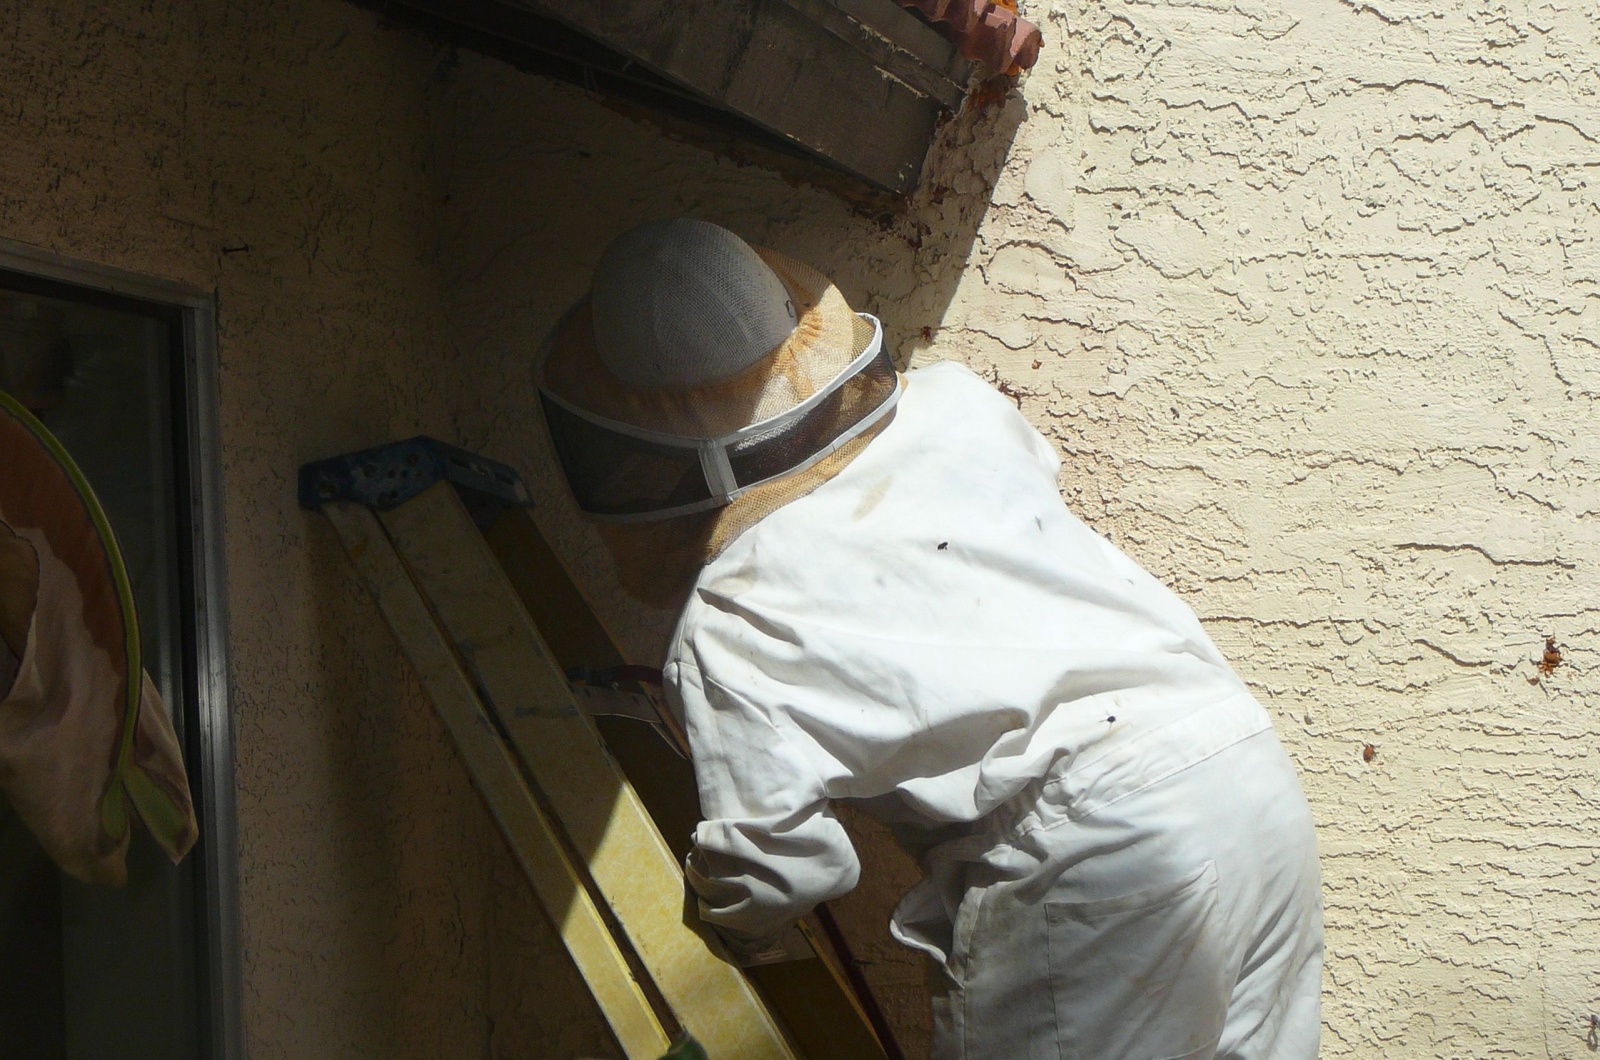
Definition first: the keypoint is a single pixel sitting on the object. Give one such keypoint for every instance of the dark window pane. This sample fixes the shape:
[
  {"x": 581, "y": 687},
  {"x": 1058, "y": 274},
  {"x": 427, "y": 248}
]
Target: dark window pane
[{"x": 125, "y": 974}]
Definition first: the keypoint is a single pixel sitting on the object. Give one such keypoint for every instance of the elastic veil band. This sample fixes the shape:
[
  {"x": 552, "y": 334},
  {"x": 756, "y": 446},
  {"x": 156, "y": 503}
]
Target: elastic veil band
[{"x": 626, "y": 473}]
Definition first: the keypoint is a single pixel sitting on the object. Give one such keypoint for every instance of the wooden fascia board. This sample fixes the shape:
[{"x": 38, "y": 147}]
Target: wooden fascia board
[
  {"x": 900, "y": 43},
  {"x": 785, "y": 71}
]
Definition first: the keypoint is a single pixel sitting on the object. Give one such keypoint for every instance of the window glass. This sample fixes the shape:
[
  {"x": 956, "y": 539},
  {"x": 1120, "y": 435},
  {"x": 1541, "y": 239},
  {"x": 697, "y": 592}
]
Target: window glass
[{"x": 88, "y": 972}]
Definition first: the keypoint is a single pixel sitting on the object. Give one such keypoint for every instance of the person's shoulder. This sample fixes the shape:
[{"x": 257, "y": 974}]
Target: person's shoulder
[
  {"x": 947, "y": 374},
  {"x": 956, "y": 383},
  {"x": 962, "y": 410}
]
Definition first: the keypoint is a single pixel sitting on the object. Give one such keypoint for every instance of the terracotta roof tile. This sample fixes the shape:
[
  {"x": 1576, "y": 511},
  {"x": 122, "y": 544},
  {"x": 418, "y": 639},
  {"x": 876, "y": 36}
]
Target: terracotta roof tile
[{"x": 986, "y": 32}]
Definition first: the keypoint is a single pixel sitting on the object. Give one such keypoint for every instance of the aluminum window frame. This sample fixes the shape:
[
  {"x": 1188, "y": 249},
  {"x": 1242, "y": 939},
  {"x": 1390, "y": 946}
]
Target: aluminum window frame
[{"x": 196, "y": 310}]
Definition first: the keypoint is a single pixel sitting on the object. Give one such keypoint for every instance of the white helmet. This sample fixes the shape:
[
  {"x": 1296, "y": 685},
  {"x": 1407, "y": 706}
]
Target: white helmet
[
  {"x": 683, "y": 302},
  {"x": 700, "y": 366}
]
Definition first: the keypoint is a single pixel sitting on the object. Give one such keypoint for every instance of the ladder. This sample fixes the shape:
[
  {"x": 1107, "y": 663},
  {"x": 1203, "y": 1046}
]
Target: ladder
[{"x": 495, "y": 627}]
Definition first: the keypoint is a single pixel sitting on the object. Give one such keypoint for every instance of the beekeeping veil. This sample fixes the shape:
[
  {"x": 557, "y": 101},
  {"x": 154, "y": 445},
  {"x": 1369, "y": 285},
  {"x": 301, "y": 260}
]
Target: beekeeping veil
[
  {"x": 86, "y": 744},
  {"x": 702, "y": 373}
]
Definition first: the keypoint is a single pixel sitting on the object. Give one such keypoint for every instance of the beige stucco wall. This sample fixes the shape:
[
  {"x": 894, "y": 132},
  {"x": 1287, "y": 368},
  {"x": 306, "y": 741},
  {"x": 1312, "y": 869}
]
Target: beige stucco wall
[
  {"x": 1311, "y": 290},
  {"x": 1307, "y": 294},
  {"x": 1314, "y": 288},
  {"x": 279, "y": 152}
]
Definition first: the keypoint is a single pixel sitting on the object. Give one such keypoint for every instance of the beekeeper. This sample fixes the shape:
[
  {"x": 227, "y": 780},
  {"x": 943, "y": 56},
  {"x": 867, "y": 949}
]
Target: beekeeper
[{"x": 885, "y": 600}]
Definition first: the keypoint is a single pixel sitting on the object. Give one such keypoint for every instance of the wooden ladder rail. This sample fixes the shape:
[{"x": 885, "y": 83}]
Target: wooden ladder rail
[{"x": 402, "y": 513}]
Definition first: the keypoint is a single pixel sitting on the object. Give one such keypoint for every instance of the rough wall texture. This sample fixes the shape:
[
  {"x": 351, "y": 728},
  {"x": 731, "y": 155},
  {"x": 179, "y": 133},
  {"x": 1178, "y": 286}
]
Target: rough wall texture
[
  {"x": 1313, "y": 288},
  {"x": 278, "y": 152},
  {"x": 1304, "y": 289}
]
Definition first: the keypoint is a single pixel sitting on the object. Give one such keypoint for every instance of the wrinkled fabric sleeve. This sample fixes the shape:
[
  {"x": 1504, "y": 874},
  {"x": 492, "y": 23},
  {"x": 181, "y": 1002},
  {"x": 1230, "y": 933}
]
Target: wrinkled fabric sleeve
[{"x": 770, "y": 847}]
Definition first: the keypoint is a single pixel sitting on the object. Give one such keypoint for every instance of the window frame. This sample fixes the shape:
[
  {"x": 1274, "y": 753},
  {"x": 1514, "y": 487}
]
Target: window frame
[{"x": 195, "y": 309}]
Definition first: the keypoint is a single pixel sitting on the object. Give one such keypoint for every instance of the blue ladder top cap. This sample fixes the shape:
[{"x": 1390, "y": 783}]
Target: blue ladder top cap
[{"x": 387, "y": 476}]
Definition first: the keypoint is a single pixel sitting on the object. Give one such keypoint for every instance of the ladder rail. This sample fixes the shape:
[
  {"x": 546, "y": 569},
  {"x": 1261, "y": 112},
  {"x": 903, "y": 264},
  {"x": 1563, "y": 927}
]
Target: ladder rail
[
  {"x": 582, "y": 638},
  {"x": 632, "y": 867},
  {"x": 495, "y": 773},
  {"x": 471, "y": 588}
]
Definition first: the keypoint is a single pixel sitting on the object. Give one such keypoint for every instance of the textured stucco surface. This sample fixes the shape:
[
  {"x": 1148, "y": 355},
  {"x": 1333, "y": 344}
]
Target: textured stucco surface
[
  {"x": 278, "y": 152},
  {"x": 1313, "y": 286},
  {"x": 1306, "y": 292}
]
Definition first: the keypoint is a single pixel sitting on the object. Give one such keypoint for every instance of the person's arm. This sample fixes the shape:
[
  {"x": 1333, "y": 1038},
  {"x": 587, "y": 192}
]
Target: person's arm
[{"x": 770, "y": 847}]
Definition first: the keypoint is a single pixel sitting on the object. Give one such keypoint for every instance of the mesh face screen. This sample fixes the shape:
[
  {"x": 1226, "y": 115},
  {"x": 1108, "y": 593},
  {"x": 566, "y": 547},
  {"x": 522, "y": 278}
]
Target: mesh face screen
[
  {"x": 616, "y": 474},
  {"x": 788, "y": 446}
]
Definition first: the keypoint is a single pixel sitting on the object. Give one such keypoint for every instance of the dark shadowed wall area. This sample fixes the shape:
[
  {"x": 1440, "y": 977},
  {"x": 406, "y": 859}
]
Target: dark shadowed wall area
[
  {"x": 388, "y": 226},
  {"x": 280, "y": 153}
]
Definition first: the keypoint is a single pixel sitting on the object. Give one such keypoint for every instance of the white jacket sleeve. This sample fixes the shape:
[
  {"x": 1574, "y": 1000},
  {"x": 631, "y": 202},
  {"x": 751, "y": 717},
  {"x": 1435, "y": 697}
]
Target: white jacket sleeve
[{"x": 770, "y": 847}]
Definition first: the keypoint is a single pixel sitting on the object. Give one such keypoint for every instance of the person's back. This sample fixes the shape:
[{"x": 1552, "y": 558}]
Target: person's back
[{"x": 1119, "y": 859}]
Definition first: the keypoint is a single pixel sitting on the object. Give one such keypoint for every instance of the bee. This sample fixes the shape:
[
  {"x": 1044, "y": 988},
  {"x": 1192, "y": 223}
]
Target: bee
[
  {"x": 991, "y": 92},
  {"x": 1552, "y": 657}
]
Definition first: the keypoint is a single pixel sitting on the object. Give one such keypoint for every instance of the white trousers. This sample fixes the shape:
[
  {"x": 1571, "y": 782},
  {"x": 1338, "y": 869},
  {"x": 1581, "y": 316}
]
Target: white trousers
[{"x": 1182, "y": 922}]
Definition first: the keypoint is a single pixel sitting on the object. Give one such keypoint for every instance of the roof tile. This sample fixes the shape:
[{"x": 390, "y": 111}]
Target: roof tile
[{"x": 986, "y": 32}]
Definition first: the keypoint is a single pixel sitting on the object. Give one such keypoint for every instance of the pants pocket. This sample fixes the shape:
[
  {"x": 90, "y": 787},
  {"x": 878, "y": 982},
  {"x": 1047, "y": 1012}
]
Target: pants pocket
[{"x": 1142, "y": 976}]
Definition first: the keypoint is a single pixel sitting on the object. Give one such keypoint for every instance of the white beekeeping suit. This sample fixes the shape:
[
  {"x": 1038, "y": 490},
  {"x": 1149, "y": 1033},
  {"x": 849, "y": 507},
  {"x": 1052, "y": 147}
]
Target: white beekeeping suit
[{"x": 1119, "y": 861}]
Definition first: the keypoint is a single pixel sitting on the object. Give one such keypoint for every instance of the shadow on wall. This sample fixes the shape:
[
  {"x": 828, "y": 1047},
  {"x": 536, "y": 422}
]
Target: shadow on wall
[{"x": 535, "y": 178}]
